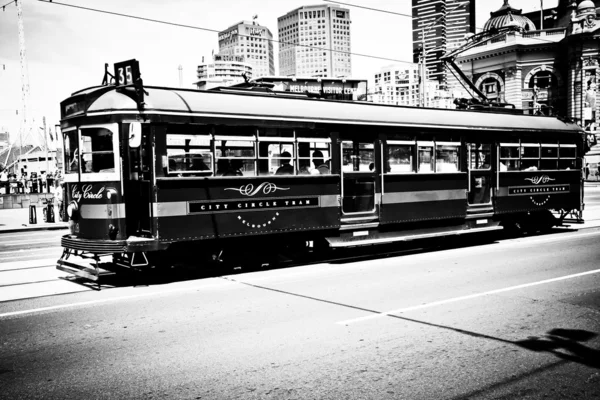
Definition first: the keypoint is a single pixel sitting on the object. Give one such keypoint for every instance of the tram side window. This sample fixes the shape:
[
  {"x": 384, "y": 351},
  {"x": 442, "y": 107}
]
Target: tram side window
[
  {"x": 566, "y": 156},
  {"x": 235, "y": 156},
  {"x": 447, "y": 157},
  {"x": 276, "y": 158},
  {"x": 358, "y": 157},
  {"x": 549, "y": 156},
  {"x": 97, "y": 150},
  {"x": 71, "y": 152},
  {"x": 530, "y": 157},
  {"x": 425, "y": 158},
  {"x": 189, "y": 154},
  {"x": 314, "y": 156},
  {"x": 399, "y": 157},
  {"x": 509, "y": 157}
]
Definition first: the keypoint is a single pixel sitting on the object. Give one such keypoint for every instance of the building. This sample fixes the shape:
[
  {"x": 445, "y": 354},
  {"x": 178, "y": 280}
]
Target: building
[
  {"x": 550, "y": 71},
  {"x": 399, "y": 84},
  {"x": 4, "y": 140},
  {"x": 305, "y": 36},
  {"x": 439, "y": 26},
  {"x": 252, "y": 42},
  {"x": 224, "y": 70}
]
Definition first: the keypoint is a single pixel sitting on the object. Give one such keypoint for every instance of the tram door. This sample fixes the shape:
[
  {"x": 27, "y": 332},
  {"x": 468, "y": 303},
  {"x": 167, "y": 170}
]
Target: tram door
[
  {"x": 146, "y": 183},
  {"x": 360, "y": 202},
  {"x": 480, "y": 177}
]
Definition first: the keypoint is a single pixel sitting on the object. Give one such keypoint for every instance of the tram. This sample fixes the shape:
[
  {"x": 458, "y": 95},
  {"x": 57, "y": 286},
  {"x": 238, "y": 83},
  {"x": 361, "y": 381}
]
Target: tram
[{"x": 152, "y": 171}]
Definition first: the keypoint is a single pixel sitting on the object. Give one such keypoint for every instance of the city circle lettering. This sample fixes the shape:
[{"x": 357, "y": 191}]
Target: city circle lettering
[
  {"x": 253, "y": 205},
  {"x": 86, "y": 192}
]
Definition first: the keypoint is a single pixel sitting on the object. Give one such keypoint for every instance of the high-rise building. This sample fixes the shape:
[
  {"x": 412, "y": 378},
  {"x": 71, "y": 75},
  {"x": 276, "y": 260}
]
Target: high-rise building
[
  {"x": 440, "y": 26},
  {"x": 252, "y": 42},
  {"x": 398, "y": 84},
  {"x": 305, "y": 36},
  {"x": 223, "y": 71}
]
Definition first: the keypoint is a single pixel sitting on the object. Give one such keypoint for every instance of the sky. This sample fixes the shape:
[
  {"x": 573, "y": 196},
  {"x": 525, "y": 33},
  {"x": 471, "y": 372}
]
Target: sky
[{"x": 66, "y": 47}]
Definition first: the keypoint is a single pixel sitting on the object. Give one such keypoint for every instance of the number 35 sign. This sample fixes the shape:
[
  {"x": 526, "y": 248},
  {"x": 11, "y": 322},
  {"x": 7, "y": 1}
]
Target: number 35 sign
[{"x": 127, "y": 72}]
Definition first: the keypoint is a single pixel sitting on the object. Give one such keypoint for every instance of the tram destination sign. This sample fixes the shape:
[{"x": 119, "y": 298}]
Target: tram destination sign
[{"x": 127, "y": 72}]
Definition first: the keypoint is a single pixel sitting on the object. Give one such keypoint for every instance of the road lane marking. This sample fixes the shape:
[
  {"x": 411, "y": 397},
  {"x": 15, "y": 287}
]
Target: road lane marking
[
  {"x": 216, "y": 284},
  {"x": 467, "y": 297},
  {"x": 26, "y": 264}
]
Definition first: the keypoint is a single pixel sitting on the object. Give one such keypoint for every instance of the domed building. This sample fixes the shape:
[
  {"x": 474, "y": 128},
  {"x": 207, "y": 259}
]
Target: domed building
[{"x": 551, "y": 70}]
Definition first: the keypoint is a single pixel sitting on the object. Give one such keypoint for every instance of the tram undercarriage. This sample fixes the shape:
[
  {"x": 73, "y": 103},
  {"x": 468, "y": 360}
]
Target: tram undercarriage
[{"x": 221, "y": 255}]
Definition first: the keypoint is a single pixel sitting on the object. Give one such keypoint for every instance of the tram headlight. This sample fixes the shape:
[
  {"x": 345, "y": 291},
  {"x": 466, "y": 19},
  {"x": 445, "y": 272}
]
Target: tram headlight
[{"x": 73, "y": 210}]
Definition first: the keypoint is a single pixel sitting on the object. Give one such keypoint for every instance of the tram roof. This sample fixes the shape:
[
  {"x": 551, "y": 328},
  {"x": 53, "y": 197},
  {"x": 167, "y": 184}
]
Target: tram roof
[{"x": 252, "y": 106}]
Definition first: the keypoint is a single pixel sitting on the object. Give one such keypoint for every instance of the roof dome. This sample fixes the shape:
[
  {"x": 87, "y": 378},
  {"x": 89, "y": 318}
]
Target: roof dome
[
  {"x": 508, "y": 16},
  {"x": 585, "y": 5}
]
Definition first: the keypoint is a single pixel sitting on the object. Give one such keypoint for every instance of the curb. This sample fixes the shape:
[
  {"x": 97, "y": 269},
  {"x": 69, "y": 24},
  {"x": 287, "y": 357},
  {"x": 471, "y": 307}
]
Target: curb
[{"x": 33, "y": 228}]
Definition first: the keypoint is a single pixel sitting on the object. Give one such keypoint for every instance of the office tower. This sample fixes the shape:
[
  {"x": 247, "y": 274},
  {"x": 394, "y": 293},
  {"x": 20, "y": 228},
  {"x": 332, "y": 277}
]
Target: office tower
[
  {"x": 306, "y": 36},
  {"x": 222, "y": 71},
  {"x": 251, "y": 41},
  {"x": 438, "y": 27}
]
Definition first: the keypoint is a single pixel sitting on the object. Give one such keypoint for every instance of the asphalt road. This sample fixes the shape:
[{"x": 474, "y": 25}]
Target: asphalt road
[{"x": 513, "y": 319}]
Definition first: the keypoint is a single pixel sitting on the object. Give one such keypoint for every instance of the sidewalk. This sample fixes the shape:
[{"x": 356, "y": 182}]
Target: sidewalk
[{"x": 17, "y": 220}]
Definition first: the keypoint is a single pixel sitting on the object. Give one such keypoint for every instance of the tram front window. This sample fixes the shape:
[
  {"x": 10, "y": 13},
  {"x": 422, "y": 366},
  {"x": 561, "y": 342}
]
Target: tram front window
[
  {"x": 71, "y": 152},
  {"x": 97, "y": 153}
]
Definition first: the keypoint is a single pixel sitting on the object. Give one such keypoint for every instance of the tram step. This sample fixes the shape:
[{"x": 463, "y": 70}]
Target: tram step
[
  {"x": 370, "y": 238},
  {"x": 79, "y": 270}
]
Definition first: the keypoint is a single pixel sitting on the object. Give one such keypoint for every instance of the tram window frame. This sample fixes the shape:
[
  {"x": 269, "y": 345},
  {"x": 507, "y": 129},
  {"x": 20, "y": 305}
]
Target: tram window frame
[
  {"x": 424, "y": 145},
  {"x": 530, "y": 163},
  {"x": 71, "y": 158},
  {"x": 106, "y": 174},
  {"x": 285, "y": 144},
  {"x": 550, "y": 161},
  {"x": 362, "y": 167},
  {"x": 190, "y": 157},
  {"x": 392, "y": 168},
  {"x": 308, "y": 161},
  {"x": 508, "y": 161},
  {"x": 567, "y": 162},
  {"x": 447, "y": 146},
  {"x": 246, "y": 160}
]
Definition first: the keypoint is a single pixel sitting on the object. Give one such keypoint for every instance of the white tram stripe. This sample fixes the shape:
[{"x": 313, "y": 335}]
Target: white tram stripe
[{"x": 467, "y": 297}]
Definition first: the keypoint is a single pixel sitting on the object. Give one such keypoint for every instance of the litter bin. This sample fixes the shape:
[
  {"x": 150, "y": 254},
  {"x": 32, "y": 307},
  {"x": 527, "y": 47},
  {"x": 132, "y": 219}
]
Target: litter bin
[
  {"x": 49, "y": 212},
  {"x": 32, "y": 214}
]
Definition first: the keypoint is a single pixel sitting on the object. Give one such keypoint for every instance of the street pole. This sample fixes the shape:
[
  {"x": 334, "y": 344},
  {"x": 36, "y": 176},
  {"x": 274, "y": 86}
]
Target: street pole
[
  {"x": 422, "y": 68},
  {"x": 541, "y": 14}
]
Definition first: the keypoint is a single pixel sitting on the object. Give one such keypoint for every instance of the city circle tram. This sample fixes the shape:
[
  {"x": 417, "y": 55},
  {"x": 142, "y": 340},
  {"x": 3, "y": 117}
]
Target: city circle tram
[{"x": 154, "y": 171}]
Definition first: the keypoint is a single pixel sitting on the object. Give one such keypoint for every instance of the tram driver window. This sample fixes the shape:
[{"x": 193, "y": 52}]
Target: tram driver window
[
  {"x": 97, "y": 150},
  {"x": 358, "y": 157},
  {"x": 235, "y": 156},
  {"x": 71, "y": 152},
  {"x": 549, "y": 159}
]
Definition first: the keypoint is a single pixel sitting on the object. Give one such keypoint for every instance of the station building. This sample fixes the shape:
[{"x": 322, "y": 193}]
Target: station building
[{"x": 553, "y": 70}]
